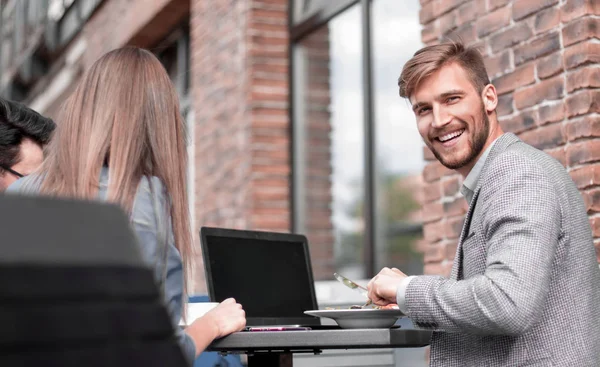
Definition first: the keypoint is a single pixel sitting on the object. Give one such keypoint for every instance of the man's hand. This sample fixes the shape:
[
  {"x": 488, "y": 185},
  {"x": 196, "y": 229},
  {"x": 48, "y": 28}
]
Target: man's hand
[{"x": 384, "y": 286}]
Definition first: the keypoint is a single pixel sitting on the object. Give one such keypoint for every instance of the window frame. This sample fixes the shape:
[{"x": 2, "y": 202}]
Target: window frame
[{"x": 306, "y": 24}]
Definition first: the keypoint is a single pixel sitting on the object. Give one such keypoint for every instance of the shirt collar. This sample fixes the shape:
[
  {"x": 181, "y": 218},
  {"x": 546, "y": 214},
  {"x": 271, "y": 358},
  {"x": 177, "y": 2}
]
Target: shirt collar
[{"x": 470, "y": 182}]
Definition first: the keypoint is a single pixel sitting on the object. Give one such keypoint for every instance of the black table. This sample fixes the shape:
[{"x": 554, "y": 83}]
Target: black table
[{"x": 275, "y": 348}]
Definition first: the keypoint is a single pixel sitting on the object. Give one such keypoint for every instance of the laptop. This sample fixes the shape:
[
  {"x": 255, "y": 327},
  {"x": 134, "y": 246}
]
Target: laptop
[{"x": 269, "y": 273}]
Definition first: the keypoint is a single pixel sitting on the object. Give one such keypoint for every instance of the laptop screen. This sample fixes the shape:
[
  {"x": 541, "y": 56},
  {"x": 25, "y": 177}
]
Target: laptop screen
[{"x": 268, "y": 273}]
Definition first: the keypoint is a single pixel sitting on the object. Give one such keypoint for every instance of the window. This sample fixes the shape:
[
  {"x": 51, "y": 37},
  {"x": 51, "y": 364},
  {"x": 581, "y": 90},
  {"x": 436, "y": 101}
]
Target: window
[
  {"x": 358, "y": 156},
  {"x": 329, "y": 145},
  {"x": 398, "y": 146}
]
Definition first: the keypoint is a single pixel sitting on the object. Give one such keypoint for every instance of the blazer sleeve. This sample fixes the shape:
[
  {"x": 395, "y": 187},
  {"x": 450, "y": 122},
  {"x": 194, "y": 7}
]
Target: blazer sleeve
[
  {"x": 148, "y": 217},
  {"x": 521, "y": 221}
]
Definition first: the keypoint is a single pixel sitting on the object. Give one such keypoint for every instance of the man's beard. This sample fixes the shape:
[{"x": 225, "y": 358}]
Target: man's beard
[{"x": 480, "y": 135}]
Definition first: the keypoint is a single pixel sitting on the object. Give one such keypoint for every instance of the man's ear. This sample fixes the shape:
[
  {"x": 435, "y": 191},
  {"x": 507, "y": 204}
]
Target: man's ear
[{"x": 489, "y": 96}]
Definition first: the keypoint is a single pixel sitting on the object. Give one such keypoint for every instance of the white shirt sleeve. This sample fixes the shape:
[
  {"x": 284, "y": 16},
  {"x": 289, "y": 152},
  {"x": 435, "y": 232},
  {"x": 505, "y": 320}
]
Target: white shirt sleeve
[{"x": 401, "y": 293}]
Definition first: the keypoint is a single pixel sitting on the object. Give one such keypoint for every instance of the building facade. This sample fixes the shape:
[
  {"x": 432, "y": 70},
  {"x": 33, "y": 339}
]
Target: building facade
[{"x": 293, "y": 114}]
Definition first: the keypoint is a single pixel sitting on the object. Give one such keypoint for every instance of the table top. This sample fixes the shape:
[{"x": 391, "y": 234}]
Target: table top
[{"x": 311, "y": 340}]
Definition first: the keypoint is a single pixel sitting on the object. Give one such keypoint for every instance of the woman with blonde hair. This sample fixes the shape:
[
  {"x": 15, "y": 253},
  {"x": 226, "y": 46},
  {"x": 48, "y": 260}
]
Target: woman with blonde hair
[{"x": 121, "y": 138}]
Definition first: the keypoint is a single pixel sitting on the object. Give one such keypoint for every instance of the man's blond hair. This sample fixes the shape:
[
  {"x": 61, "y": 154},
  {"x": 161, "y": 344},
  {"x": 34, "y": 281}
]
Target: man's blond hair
[{"x": 430, "y": 59}]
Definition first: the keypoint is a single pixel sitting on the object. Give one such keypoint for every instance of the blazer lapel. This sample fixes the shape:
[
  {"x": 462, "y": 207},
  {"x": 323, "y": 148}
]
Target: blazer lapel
[
  {"x": 501, "y": 144},
  {"x": 456, "y": 272}
]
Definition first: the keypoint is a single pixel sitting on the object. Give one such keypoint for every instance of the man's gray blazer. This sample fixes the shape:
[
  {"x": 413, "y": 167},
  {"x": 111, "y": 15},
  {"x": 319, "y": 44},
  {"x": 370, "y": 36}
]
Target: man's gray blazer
[{"x": 525, "y": 285}]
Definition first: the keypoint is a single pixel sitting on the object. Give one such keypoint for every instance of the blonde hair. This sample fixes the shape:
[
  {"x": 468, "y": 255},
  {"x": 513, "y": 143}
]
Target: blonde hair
[
  {"x": 430, "y": 59},
  {"x": 124, "y": 114}
]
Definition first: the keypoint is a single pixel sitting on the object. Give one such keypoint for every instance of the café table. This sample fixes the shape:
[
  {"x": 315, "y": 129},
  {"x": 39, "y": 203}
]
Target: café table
[{"x": 276, "y": 348}]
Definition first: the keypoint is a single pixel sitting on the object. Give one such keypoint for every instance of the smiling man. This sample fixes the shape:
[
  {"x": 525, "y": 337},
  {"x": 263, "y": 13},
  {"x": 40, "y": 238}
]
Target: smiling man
[
  {"x": 525, "y": 284},
  {"x": 23, "y": 133}
]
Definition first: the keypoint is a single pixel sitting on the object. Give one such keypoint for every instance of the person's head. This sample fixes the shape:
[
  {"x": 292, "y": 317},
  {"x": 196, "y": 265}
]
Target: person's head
[
  {"x": 453, "y": 101},
  {"x": 124, "y": 114},
  {"x": 23, "y": 134}
]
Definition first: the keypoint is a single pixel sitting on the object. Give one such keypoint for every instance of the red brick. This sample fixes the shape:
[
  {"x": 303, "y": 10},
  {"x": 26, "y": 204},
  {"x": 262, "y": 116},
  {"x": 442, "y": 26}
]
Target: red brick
[
  {"x": 521, "y": 76},
  {"x": 447, "y": 22},
  {"x": 587, "y": 52},
  {"x": 550, "y": 65},
  {"x": 433, "y": 231},
  {"x": 432, "y": 212},
  {"x": 430, "y": 32},
  {"x": 510, "y": 37},
  {"x": 427, "y": 13},
  {"x": 434, "y": 170},
  {"x": 540, "y": 46},
  {"x": 458, "y": 206},
  {"x": 464, "y": 34},
  {"x": 591, "y": 197},
  {"x": 434, "y": 253},
  {"x": 546, "y": 20},
  {"x": 519, "y": 123},
  {"x": 447, "y": 5},
  {"x": 595, "y": 224},
  {"x": 451, "y": 250},
  {"x": 454, "y": 227},
  {"x": 470, "y": 11},
  {"x": 498, "y": 64},
  {"x": 549, "y": 89},
  {"x": 524, "y": 8},
  {"x": 581, "y": 29},
  {"x": 493, "y": 21},
  {"x": 585, "y": 152},
  {"x": 559, "y": 154},
  {"x": 451, "y": 185},
  {"x": 585, "y": 127},
  {"x": 432, "y": 191},
  {"x": 546, "y": 137},
  {"x": 584, "y": 102},
  {"x": 482, "y": 47},
  {"x": 270, "y": 14},
  {"x": 573, "y": 9},
  {"x": 583, "y": 78},
  {"x": 586, "y": 176},
  {"x": 438, "y": 268},
  {"x": 494, "y": 4},
  {"x": 551, "y": 113},
  {"x": 505, "y": 105}
]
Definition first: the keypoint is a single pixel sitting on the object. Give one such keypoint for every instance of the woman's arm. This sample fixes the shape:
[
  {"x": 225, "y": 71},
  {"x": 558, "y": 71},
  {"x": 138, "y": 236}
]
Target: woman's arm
[{"x": 226, "y": 318}]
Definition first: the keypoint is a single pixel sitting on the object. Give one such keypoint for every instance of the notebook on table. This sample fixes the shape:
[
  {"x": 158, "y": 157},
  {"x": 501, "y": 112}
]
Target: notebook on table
[{"x": 269, "y": 273}]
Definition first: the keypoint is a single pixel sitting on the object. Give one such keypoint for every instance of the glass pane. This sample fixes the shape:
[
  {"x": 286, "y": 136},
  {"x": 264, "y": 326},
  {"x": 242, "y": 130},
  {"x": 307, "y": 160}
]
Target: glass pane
[
  {"x": 329, "y": 148},
  {"x": 396, "y": 36}
]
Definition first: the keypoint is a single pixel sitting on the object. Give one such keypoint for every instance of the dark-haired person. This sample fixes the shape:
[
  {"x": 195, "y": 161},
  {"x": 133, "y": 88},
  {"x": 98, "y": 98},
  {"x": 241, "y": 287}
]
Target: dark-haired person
[
  {"x": 23, "y": 134},
  {"x": 525, "y": 284}
]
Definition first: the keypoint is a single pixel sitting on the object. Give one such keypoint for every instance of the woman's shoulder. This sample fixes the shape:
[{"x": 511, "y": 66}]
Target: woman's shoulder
[
  {"x": 25, "y": 185},
  {"x": 150, "y": 186},
  {"x": 150, "y": 195}
]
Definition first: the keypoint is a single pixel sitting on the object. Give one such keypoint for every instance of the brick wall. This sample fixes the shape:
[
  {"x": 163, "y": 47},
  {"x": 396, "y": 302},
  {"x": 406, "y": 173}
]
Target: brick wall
[
  {"x": 239, "y": 87},
  {"x": 543, "y": 56},
  {"x": 114, "y": 24},
  {"x": 124, "y": 22},
  {"x": 240, "y": 100}
]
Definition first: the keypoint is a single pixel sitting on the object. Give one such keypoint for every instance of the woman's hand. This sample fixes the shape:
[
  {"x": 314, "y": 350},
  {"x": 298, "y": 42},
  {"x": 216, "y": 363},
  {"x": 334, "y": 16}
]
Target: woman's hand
[{"x": 228, "y": 317}]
